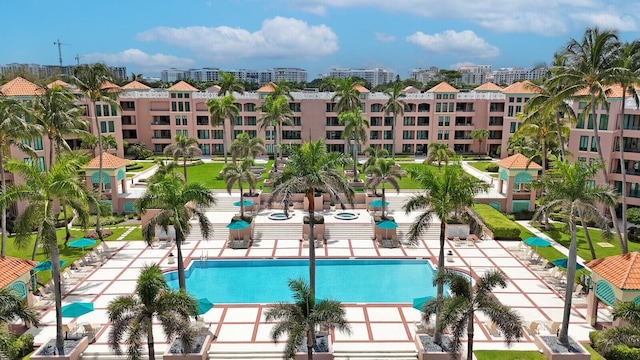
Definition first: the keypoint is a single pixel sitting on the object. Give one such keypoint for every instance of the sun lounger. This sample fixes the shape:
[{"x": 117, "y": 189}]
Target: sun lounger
[
  {"x": 492, "y": 328},
  {"x": 532, "y": 329},
  {"x": 90, "y": 331},
  {"x": 553, "y": 327},
  {"x": 470, "y": 242},
  {"x": 72, "y": 331},
  {"x": 456, "y": 241},
  {"x": 319, "y": 241}
]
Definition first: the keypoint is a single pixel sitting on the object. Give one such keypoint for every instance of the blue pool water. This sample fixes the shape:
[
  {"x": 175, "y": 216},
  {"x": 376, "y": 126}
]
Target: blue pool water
[{"x": 349, "y": 281}]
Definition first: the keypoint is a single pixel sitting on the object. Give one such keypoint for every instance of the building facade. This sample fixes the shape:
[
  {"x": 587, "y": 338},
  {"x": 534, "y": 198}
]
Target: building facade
[{"x": 375, "y": 76}]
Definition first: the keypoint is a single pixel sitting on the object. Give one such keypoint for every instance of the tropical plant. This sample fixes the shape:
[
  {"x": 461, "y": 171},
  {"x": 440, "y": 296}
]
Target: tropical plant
[
  {"x": 328, "y": 84},
  {"x": 568, "y": 187},
  {"x": 395, "y": 106},
  {"x": 480, "y": 135},
  {"x": 440, "y": 153},
  {"x": 312, "y": 169},
  {"x": 591, "y": 65},
  {"x": 239, "y": 173},
  {"x": 458, "y": 310},
  {"x": 275, "y": 112},
  {"x": 165, "y": 167},
  {"x": 542, "y": 128},
  {"x": 41, "y": 189},
  {"x": 178, "y": 202},
  {"x": 300, "y": 318},
  {"x": 229, "y": 84},
  {"x": 95, "y": 83},
  {"x": 347, "y": 94},
  {"x": 355, "y": 129},
  {"x": 139, "y": 151},
  {"x": 12, "y": 130},
  {"x": 185, "y": 148},
  {"x": 624, "y": 335},
  {"x": 445, "y": 192},
  {"x": 374, "y": 155},
  {"x": 131, "y": 316},
  {"x": 383, "y": 172},
  {"x": 222, "y": 109},
  {"x": 244, "y": 146},
  {"x": 13, "y": 306}
]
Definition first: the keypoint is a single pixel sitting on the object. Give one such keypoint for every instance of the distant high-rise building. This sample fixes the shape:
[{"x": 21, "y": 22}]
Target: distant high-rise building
[
  {"x": 474, "y": 74},
  {"x": 423, "y": 75},
  {"x": 375, "y": 76},
  {"x": 507, "y": 76},
  {"x": 252, "y": 76},
  {"x": 44, "y": 71}
]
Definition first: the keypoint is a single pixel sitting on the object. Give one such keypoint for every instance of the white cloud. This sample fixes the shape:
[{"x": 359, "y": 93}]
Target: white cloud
[
  {"x": 142, "y": 61},
  {"x": 277, "y": 38},
  {"x": 382, "y": 37},
  {"x": 607, "y": 21},
  {"x": 449, "y": 42},
  {"x": 461, "y": 64}
]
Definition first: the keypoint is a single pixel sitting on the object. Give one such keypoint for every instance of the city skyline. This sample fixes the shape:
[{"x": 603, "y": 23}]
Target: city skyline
[{"x": 315, "y": 35}]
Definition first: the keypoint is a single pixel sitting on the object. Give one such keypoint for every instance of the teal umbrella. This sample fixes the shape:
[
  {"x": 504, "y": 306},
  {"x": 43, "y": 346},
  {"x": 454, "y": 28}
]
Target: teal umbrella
[
  {"x": 244, "y": 202},
  {"x": 378, "y": 203},
  {"x": 46, "y": 265},
  {"x": 563, "y": 262},
  {"x": 418, "y": 303},
  {"x": 537, "y": 242},
  {"x": 82, "y": 243},
  {"x": 386, "y": 225},
  {"x": 238, "y": 225},
  {"x": 76, "y": 309},
  {"x": 204, "y": 305}
]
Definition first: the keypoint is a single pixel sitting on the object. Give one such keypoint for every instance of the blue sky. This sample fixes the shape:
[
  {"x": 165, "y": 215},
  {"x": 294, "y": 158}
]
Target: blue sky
[{"x": 148, "y": 36}]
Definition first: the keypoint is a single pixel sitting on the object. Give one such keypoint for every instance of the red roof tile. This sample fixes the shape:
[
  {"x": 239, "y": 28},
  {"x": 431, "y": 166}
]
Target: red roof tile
[
  {"x": 12, "y": 268},
  {"x": 59, "y": 83},
  {"x": 442, "y": 88},
  {"x": 622, "y": 271},
  {"x": 135, "y": 85},
  {"x": 268, "y": 87},
  {"x": 20, "y": 87},
  {"x": 182, "y": 86},
  {"x": 518, "y": 161},
  {"x": 108, "y": 162},
  {"x": 523, "y": 87},
  {"x": 361, "y": 88},
  {"x": 488, "y": 86}
]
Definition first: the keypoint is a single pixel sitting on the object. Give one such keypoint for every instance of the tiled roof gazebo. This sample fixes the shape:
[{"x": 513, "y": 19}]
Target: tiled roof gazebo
[
  {"x": 14, "y": 273},
  {"x": 518, "y": 173},
  {"x": 113, "y": 170}
]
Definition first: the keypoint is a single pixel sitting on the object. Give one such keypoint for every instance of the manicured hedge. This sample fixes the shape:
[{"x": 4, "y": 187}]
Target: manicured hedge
[{"x": 500, "y": 225}]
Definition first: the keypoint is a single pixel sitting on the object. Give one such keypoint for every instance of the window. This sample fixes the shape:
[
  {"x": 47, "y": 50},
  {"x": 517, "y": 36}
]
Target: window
[
  {"x": 174, "y": 106},
  {"x": 584, "y": 142},
  {"x": 409, "y": 121},
  {"x": 37, "y": 143},
  {"x": 105, "y": 109},
  {"x": 217, "y": 134},
  {"x": 439, "y": 134},
  {"x": 295, "y": 107},
  {"x": 376, "y": 107},
  {"x": 267, "y": 135},
  {"x": 519, "y": 100},
  {"x": 187, "y": 106},
  {"x": 438, "y": 106},
  {"x": 236, "y": 133},
  {"x": 173, "y": 95},
  {"x": 438, "y": 96},
  {"x": 591, "y": 184},
  {"x": 388, "y": 135},
  {"x": 203, "y": 134},
  {"x": 582, "y": 105},
  {"x": 218, "y": 148},
  {"x": 374, "y": 135},
  {"x": 297, "y": 121},
  {"x": 511, "y": 99},
  {"x": 184, "y": 120},
  {"x": 39, "y": 162},
  {"x": 114, "y": 111},
  {"x": 158, "y": 147},
  {"x": 590, "y": 122},
  {"x": 291, "y": 135},
  {"x": 510, "y": 111},
  {"x": 451, "y": 106},
  {"x": 422, "y": 134},
  {"x": 111, "y": 126},
  {"x": 604, "y": 122},
  {"x": 252, "y": 133},
  {"x": 180, "y": 106},
  {"x": 250, "y": 107},
  {"x": 423, "y": 121},
  {"x": 407, "y": 135},
  {"x": 206, "y": 149},
  {"x": 178, "y": 120},
  {"x": 251, "y": 120},
  {"x": 103, "y": 126},
  {"x": 238, "y": 121},
  {"x": 178, "y": 132},
  {"x": 98, "y": 110},
  {"x": 331, "y": 107},
  {"x": 594, "y": 144},
  {"x": 512, "y": 127},
  {"x": 582, "y": 159},
  {"x": 580, "y": 123},
  {"x": 27, "y": 142},
  {"x": 202, "y": 120},
  {"x": 444, "y": 120}
]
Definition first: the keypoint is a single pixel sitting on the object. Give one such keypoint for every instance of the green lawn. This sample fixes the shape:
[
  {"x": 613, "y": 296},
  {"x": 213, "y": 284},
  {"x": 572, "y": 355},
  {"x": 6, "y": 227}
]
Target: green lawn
[
  {"x": 594, "y": 354},
  {"x": 480, "y": 165},
  {"x": 508, "y": 355},
  {"x": 145, "y": 165}
]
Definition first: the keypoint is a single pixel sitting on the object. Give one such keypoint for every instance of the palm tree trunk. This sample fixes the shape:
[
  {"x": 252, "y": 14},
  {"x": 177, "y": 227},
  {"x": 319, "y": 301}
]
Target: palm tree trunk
[
  {"x": 470, "y": 335},
  {"x": 57, "y": 289},
  {"x": 182, "y": 282},
  {"x": 309, "y": 344},
  {"x": 62, "y": 203},
  {"x": 224, "y": 140},
  {"x": 150, "y": 344},
  {"x": 241, "y": 199},
  {"x": 34, "y": 252},
  {"x": 605, "y": 173},
  {"x": 560, "y": 139},
  {"x": 275, "y": 148},
  {"x": 184, "y": 167},
  {"x": 393, "y": 137},
  {"x": 355, "y": 162},
  {"x": 383, "y": 198},
  {"x": 312, "y": 242},
  {"x": 571, "y": 275},
  {"x": 437, "y": 338},
  {"x": 3, "y": 221},
  {"x": 586, "y": 234},
  {"x": 95, "y": 116},
  {"x": 544, "y": 167},
  {"x": 623, "y": 171}
]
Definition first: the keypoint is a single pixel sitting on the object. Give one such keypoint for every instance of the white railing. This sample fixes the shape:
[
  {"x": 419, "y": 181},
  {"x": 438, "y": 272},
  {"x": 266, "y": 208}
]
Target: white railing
[
  {"x": 472, "y": 95},
  {"x": 135, "y": 94}
]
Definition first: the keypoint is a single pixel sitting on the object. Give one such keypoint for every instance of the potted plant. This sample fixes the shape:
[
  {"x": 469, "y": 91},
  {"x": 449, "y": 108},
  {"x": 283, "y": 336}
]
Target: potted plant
[
  {"x": 332, "y": 205},
  {"x": 171, "y": 259},
  {"x": 200, "y": 350}
]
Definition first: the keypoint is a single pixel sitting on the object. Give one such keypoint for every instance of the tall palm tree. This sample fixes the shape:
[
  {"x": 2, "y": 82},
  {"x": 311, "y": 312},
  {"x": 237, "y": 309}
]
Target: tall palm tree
[
  {"x": 239, "y": 173},
  {"x": 568, "y": 188},
  {"x": 542, "y": 128},
  {"x": 132, "y": 316},
  {"x": 374, "y": 155},
  {"x": 627, "y": 76},
  {"x": 458, "y": 310},
  {"x": 178, "y": 203},
  {"x": 384, "y": 172},
  {"x": 185, "y": 148},
  {"x": 222, "y": 109},
  {"x": 244, "y": 146},
  {"x": 480, "y": 135},
  {"x": 395, "y": 106},
  {"x": 41, "y": 189},
  {"x": 446, "y": 191},
  {"x": 91, "y": 80},
  {"x": 229, "y": 84},
  {"x": 13, "y": 306},
  {"x": 312, "y": 169},
  {"x": 440, "y": 153},
  {"x": 300, "y": 318},
  {"x": 275, "y": 112},
  {"x": 355, "y": 129},
  {"x": 347, "y": 94},
  {"x": 13, "y": 129},
  {"x": 591, "y": 65}
]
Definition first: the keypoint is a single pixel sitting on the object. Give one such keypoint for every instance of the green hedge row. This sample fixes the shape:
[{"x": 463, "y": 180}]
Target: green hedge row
[{"x": 500, "y": 225}]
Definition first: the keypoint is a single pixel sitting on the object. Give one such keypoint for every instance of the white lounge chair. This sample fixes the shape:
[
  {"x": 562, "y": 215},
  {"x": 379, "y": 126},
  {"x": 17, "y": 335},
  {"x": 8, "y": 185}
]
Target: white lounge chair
[{"x": 492, "y": 328}]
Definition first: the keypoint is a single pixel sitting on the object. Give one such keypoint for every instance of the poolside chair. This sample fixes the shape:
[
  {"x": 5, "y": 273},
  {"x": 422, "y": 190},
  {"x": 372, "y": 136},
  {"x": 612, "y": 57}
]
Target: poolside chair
[
  {"x": 379, "y": 239},
  {"x": 578, "y": 291},
  {"x": 394, "y": 241},
  {"x": 553, "y": 327},
  {"x": 532, "y": 329},
  {"x": 387, "y": 243},
  {"x": 319, "y": 241},
  {"x": 542, "y": 266},
  {"x": 71, "y": 331},
  {"x": 90, "y": 331},
  {"x": 305, "y": 240},
  {"x": 470, "y": 241},
  {"x": 492, "y": 328},
  {"x": 456, "y": 241}
]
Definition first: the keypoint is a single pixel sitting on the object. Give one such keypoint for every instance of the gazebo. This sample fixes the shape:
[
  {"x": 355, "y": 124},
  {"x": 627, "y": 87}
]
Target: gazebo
[
  {"x": 613, "y": 279},
  {"x": 14, "y": 273},
  {"x": 518, "y": 172},
  {"x": 114, "y": 169}
]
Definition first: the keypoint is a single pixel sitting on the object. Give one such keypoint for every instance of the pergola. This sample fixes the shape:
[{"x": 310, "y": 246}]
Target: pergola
[{"x": 114, "y": 169}]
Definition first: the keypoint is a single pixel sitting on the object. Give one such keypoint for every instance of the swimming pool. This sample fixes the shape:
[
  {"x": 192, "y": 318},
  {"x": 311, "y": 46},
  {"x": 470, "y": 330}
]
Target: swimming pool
[{"x": 348, "y": 280}]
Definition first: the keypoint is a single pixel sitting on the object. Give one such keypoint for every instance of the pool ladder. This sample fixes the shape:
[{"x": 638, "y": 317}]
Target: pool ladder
[{"x": 204, "y": 255}]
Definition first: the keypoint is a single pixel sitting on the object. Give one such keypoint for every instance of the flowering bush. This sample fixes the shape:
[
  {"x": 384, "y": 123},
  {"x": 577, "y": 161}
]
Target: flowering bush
[{"x": 92, "y": 234}]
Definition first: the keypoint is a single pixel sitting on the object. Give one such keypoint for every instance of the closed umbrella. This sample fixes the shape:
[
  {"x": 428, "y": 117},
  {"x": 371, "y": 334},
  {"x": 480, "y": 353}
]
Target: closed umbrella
[
  {"x": 238, "y": 225},
  {"x": 563, "y": 262},
  {"x": 46, "y": 265},
  {"x": 418, "y": 303},
  {"x": 82, "y": 243},
  {"x": 76, "y": 309}
]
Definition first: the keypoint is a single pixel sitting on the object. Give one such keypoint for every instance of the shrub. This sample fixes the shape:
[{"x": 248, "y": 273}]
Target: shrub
[
  {"x": 523, "y": 215},
  {"x": 623, "y": 352},
  {"x": 92, "y": 234},
  {"x": 318, "y": 219},
  {"x": 247, "y": 218},
  {"x": 107, "y": 220},
  {"x": 17, "y": 347},
  {"x": 493, "y": 167},
  {"x": 633, "y": 215},
  {"x": 501, "y": 227},
  {"x": 134, "y": 166},
  {"x": 633, "y": 234}
]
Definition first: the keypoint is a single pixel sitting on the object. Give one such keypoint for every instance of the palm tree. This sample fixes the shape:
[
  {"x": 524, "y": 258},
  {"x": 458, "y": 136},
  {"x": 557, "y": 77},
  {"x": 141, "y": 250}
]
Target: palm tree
[
  {"x": 12, "y": 130},
  {"x": 384, "y": 172},
  {"x": 328, "y": 84},
  {"x": 222, "y": 109},
  {"x": 164, "y": 168},
  {"x": 445, "y": 192},
  {"x": 355, "y": 129},
  {"x": 458, "y": 310},
  {"x": 41, "y": 189},
  {"x": 440, "y": 153},
  {"x": 480, "y": 135},
  {"x": 374, "y": 155},
  {"x": 627, "y": 334},
  {"x": 178, "y": 203},
  {"x": 275, "y": 112},
  {"x": 591, "y": 65},
  {"x": 347, "y": 94},
  {"x": 131, "y": 316},
  {"x": 394, "y": 105},
  {"x": 91, "y": 80},
  {"x": 312, "y": 169},
  {"x": 185, "y": 148},
  {"x": 568, "y": 188},
  {"x": 13, "y": 306},
  {"x": 239, "y": 173},
  {"x": 542, "y": 128},
  {"x": 244, "y": 146},
  {"x": 300, "y": 318},
  {"x": 229, "y": 84},
  {"x": 627, "y": 77}
]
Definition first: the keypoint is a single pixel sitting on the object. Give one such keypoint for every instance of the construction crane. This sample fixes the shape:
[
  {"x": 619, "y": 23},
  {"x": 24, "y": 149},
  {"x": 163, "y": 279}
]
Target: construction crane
[
  {"x": 59, "y": 44},
  {"x": 78, "y": 57}
]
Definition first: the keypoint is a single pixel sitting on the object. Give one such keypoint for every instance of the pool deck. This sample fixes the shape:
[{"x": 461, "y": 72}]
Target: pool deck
[{"x": 390, "y": 328}]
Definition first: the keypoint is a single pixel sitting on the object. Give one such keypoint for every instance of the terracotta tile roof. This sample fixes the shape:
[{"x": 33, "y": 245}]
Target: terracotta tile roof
[
  {"x": 411, "y": 89},
  {"x": 622, "y": 271},
  {"x": 361, "y": 88},
  {"x": 108, "y": 162},
  {"x": 213, "y": 89},
  {"x": 182, "y": 86},
  {"x": 488, "y": 86},
  {"x": 135, "y": 85},
  {"x": 109, "y": 86},
  {"x": 59, "y": 83},
  {"x": 523, "y": 87},
  {"x": 20, "y": 87},
  {"x": 268, "y": 87},
  {"x": 518, "y": 161},
  {"x": 442, "y": 88},
  {"x": 12, "y": 268},
  {"x": 612, "y": 92}
]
